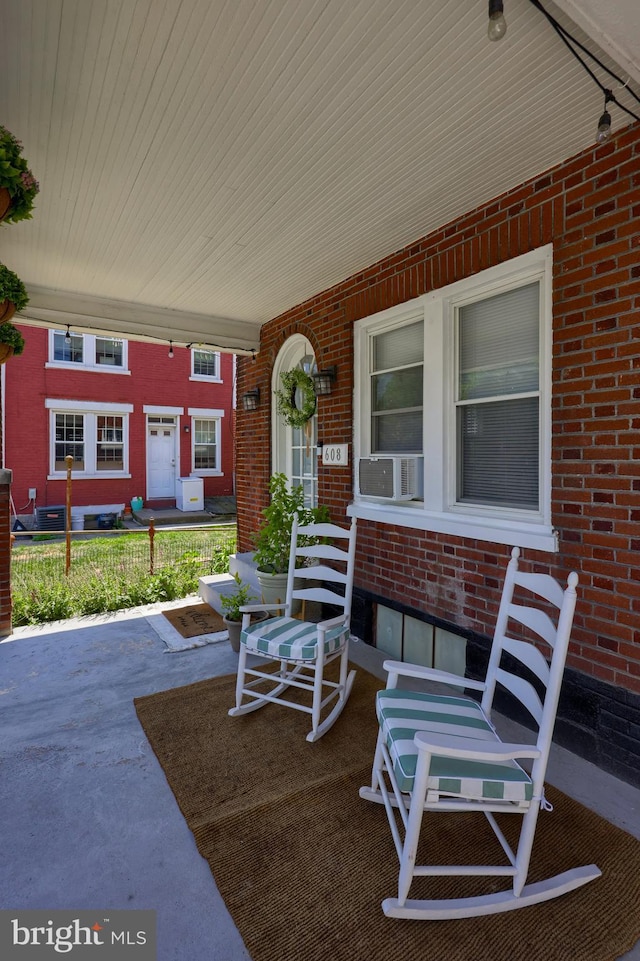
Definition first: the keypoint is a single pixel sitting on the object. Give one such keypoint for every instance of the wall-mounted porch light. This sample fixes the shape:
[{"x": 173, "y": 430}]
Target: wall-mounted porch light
[
  {"x": 251, "y": 400},
  {"x": 323, "y": 380}
]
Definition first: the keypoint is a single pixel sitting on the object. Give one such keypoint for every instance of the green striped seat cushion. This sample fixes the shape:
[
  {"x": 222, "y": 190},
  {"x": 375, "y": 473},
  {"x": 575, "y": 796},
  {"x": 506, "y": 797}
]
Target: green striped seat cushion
[
  {"x": 286, "y": 637},
  {"x": 401, "y": 714}
]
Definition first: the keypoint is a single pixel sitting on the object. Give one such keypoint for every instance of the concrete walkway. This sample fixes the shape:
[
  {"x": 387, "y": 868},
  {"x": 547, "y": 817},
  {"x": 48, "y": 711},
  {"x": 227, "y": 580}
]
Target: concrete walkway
[{"x": 87, "y": 819}]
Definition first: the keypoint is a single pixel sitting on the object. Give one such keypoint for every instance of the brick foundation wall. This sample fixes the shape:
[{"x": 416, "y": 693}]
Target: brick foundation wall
[{"x": 589, "y": 209}]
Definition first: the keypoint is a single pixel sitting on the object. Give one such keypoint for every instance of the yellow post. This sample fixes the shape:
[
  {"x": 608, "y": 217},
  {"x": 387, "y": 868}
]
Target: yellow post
[{"x": 69, "y": 462}]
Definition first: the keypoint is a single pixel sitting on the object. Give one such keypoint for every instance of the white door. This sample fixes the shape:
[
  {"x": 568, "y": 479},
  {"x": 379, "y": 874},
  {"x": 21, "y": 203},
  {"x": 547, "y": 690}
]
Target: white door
[
  {"x": 161, "y": 461},
  {"x": 293, "y": 449}
]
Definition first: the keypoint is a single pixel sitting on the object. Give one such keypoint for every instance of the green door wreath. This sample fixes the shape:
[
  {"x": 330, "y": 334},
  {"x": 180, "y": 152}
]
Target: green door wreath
[{"x": 293, "y": 381}]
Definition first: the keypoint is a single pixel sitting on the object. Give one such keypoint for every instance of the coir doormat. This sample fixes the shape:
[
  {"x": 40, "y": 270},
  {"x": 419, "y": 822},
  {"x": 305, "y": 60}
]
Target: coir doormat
[{"x": 195, "y": 619}]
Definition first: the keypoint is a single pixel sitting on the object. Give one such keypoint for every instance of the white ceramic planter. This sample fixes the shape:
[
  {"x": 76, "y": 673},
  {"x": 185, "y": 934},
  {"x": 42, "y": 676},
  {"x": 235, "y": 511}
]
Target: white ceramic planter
[{"x": 273, "y": 587}]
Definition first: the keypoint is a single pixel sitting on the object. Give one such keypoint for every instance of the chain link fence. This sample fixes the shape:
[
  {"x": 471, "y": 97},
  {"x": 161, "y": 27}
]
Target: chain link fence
[{"x": 90, "y": 573}]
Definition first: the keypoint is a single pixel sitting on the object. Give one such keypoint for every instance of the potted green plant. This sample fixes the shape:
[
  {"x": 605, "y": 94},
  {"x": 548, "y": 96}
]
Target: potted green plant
[
  {"x": 11, "y": 342},
  {"x": 18, "y": 186},
  {"x": 13, "y": 294},
  {"x": 231, "y": 609},
  {"x": 273, "y": 538}
]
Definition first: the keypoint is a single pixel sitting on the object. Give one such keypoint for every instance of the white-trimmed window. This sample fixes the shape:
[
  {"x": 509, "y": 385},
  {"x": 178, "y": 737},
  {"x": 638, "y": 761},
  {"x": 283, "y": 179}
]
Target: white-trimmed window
[
  {"x": 88, "y": 351},
  {"x": 457, "y": 384},
  {"x": 497, "y": 385},
  {"x": 205, "y": 364},
  {"x": 95, "y": 435},
  {"x": 205, "y": 441}
]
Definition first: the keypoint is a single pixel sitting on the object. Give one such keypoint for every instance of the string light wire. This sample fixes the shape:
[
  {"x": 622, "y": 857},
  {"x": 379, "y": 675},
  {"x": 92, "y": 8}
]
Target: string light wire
[
  {"x": 568, "y": 40},
  {"x": 124, "y": 335}
]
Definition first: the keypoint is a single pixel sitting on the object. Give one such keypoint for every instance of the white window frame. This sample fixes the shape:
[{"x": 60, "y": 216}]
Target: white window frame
[
  {"x": 89, "y": 354},
  {"x": 90, "y": 411},
  {"x": 203, "y": 413},
  {"x": 206, "y": 378},
  {"x": 439, "y": 511}
]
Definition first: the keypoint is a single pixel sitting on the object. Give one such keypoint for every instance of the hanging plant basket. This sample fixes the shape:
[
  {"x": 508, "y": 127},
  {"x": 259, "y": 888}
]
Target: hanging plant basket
[
  {"x": 13, "y": 294},
  {"x": 5, "y": 202},
  {"x": 18, "y": 186},
  {"x": 11, "y": 342},
  {"x": 294, "y": 381},
  {"x": 7, "y": 310}
]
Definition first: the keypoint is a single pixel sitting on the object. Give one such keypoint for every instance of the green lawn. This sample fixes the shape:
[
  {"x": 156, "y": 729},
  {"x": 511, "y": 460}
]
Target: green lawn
[{"x": 112, "y": 572}]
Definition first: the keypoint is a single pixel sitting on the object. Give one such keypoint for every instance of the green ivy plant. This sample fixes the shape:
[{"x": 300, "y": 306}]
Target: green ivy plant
[
  {"x": 12, "y": 288},
  {"x": 292, "y": 381},
  {"x": 17, "y": 178},
  {"x": 11, "y": 336},
  {"x": 273, "y": 539}
]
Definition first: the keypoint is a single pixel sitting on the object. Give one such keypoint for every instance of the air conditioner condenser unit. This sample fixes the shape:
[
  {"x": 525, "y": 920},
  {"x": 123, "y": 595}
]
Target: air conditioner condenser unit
[{"x": 394, "y": 478}]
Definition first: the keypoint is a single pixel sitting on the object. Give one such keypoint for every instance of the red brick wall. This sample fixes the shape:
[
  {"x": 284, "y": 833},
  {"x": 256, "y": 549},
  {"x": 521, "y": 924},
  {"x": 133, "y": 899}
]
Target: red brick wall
[
  {"x": 589, "y": 207},
  {"x": 155, "y": 379},
  {"x": 5, "y": 553}
]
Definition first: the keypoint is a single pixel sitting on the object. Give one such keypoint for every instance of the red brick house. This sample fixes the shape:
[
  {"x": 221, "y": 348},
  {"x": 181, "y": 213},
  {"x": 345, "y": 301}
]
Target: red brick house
[
  {"x": 136, "y": 418},
  {"x": 518, "y": 425}
]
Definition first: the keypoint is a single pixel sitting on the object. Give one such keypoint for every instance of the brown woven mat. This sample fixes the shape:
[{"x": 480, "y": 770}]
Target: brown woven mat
[
  {"x": 192, "y": 620},
  {"x": 303, "y": 863}
]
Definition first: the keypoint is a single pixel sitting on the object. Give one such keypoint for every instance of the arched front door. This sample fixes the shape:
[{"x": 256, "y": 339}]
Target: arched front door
[{"x": 294, "y": 450}]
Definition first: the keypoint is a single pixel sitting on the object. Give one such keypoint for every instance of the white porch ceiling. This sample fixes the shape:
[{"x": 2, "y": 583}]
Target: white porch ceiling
[{"x": 207, "y": 164}]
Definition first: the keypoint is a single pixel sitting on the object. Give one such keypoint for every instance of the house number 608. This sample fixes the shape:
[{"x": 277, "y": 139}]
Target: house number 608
[{"x": 335, "y": 455}]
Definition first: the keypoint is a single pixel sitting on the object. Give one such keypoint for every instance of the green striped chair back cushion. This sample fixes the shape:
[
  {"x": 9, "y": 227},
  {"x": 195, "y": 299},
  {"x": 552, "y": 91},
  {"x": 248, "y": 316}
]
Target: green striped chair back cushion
[
  {"x": 401, "y": 714},
  {"x": 287, "y": 637}
]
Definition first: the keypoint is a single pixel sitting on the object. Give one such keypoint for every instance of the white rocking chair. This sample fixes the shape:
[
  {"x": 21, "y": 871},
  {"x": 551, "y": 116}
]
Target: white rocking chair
[
  {"x": 440, "y": 752},
  {"x": 303, "y": 648}
]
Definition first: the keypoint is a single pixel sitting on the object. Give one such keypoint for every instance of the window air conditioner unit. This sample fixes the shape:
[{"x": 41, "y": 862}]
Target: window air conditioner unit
[{"x": 395, "y": 478}]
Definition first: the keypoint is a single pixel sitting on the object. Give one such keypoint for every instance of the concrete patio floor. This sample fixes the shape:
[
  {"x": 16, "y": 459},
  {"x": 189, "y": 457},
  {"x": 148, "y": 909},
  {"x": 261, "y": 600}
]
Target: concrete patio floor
[{"x": 87, "y": 819}]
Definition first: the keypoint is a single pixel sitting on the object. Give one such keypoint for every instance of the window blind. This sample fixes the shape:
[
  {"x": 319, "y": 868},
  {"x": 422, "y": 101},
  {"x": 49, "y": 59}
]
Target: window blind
[
  {"x": 499, "y": 344},
  {"x": 497, "y": 432}
]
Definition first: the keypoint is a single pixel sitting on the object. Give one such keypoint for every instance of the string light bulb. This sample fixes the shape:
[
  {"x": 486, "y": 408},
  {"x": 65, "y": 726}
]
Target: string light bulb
[
  {"x": 170, "y": 348},
  {"x": 604, "y": 123},
  {"x": 497, "y": 24}
]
